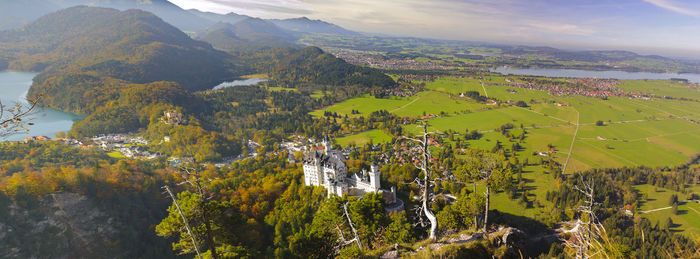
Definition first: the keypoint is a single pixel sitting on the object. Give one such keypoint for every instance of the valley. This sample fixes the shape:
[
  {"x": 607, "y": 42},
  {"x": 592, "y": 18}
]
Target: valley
[{"x": 224, "y": 135}]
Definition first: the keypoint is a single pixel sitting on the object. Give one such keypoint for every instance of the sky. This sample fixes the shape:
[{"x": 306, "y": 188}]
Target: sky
[{"x": 669, "y": 27}]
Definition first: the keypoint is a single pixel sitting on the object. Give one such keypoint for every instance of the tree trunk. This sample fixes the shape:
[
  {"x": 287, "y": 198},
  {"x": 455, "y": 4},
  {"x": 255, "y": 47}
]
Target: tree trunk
[
  {"x": 207, "y": 224},
  {"x": 428, "y": 213},
  {"x": 426, "y": 180},
  {"x": 205, "y": 216},
  {"x": 488, "y": 200},
  {"x": 352, "y": 226},
  {"x": 184, "y": 220}
]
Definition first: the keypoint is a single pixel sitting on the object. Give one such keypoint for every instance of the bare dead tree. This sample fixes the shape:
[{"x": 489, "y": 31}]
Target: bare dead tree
[
  {"x": 343, "y": 241},
  {"x": 193, "y": 178},
  {"x": 14, "y": 119},
  {"x": 587, "y": 232},
  {"x": 421, "y": 160},
  {"x": 184, "y": 220}
]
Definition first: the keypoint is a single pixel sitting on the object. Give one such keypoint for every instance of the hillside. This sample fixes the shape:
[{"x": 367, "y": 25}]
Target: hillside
[
  {"x": 250, "y": 33},
  {"x": 164, "y": 9},
  {"x": 101, "y": 48},
  {"x": 312, "y": 65},
  {"x": 589, "y": 56},
  {"x": 15, "y": 14},
  {"x": 219, "y": 18},
  {"x": 306, "y": 25}
]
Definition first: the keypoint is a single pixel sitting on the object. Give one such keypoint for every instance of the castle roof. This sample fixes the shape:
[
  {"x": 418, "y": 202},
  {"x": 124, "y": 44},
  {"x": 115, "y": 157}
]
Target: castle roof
[{"x": 332, "y": 159}]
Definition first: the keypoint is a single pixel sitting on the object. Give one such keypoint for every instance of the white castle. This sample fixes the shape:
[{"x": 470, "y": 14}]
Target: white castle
[{"x": 325, "y": 167}]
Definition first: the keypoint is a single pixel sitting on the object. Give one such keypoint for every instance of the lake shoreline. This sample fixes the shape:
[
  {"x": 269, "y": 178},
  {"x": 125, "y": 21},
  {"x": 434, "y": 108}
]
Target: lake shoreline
[
  {"x": 47, "y": 121},
  {"x": 603, "y": 74}
]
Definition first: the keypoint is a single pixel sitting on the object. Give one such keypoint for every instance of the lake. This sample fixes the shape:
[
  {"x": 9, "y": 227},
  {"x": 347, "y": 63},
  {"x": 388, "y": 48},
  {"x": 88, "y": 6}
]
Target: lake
[
  {"x": 47, "y": 121},
  {"x": 242, "y": 82},
  {"x": 575, "y": 73}
]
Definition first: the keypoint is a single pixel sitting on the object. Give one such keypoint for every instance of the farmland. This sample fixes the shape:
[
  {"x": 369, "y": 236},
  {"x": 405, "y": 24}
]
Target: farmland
[
  {"x": 635, "y": 132},
  {"x": 591, "y": 132}
]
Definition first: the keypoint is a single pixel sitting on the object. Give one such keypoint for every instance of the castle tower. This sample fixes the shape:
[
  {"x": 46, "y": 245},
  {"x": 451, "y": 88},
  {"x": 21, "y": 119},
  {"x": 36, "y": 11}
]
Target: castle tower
[
  {"x": 328, "y": 145},
  {"x": 374, "y": 178}
]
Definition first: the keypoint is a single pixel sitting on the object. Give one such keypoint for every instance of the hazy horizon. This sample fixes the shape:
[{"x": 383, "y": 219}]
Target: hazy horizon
[{"x": 666, "y": 27}]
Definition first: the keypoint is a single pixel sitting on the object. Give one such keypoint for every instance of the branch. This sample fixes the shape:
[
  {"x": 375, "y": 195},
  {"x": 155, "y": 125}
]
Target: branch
[{"x": 184, "y": 220}]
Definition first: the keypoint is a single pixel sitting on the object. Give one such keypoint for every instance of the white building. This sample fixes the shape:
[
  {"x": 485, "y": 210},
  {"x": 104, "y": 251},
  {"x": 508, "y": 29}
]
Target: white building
[{"x": 326, "y": 167}]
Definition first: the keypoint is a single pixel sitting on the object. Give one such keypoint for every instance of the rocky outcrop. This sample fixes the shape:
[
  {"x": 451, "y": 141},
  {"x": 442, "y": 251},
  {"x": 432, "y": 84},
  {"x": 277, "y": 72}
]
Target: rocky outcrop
[{"x": 60, "y": 225}]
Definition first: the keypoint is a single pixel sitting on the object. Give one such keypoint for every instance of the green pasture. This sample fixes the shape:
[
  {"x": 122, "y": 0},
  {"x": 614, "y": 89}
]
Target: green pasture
[
  {"x": 661, "y": 88},
  {"x": 424, "y": 103},
  {"x": 365, "y": 105},
  {"x": 686, "y": 222},
  {"x": 376, "y": 136},
  {"x": 116, "y": 154},
  {"x": 488, "y": 120},
  {"x": 431, "y": 102},
  {"x": 456, "y": 86},
  {"x": 635, "y": 132}
]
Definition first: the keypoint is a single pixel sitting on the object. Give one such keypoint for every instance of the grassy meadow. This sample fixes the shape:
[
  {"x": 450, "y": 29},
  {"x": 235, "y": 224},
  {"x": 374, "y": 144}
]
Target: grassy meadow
[{"x": 635, "y": 132}]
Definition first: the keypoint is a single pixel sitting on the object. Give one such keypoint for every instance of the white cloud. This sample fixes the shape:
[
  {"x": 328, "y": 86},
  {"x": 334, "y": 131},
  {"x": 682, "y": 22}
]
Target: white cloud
[
  {"x": 674, "y": 7},
  {"x": 569, "y": 29},
  {"x": 573, "y": 23}
]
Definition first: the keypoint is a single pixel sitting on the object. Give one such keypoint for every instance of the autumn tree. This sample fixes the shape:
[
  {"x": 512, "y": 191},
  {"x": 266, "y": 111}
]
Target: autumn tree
[
  {"x": 14, "y": 119},
  {"x": 196, "y": 208},
  {"x": 492, "y": 169}
]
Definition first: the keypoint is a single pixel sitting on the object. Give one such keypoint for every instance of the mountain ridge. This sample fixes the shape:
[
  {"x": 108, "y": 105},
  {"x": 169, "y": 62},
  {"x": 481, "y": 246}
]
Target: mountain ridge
[{"x": 106, "y": 48}]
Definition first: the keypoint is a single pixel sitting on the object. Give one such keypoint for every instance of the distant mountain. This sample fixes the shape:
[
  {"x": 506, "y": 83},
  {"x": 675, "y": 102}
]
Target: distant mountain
[
  {"x": 219, "y": 18},
  {"x": 82, "y": 50},
  {"x": 15, "y": 14},
  {"x": 296, "y": 25},
  {"x": 587, "y": 56},
  {"x": 164, "y": 9},
  {"x": 250, "y": 33},
  {"x": 306, "y": 25}
]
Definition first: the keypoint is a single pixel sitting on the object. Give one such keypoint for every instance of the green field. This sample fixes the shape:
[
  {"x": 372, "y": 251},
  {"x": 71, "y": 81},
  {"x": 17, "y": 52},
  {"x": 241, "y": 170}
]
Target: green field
[
  {"x": 653, "y": 132},
  {"x": 423, "y": 103},
  {"x": 116, "y": 154},
  {"x": 656, "y": 132},
  {"x": 688, "y": 219},
  {"x": 376, "y": 136},
  {"x": 662, "y": 88},
  {"x": 456, "y": 86}
]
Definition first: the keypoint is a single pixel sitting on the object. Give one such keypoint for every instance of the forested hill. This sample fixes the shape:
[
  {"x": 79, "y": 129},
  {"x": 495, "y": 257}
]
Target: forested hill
[
  {"x": 248, "y": 34},
  {"x": 83, "y": 48},
  {"x": 312, "y": 65}
]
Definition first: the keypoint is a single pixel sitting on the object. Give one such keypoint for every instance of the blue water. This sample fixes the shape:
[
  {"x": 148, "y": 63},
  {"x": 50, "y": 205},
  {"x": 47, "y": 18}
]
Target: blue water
[
  {"x": 250, "y": 81},
  {"x": 47, "y": 121},
  {"x": 575, "y": 73}
]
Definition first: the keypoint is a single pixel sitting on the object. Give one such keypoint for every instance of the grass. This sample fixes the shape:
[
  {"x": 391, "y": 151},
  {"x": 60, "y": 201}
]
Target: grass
[
  {"x": 318, "y": 94},
  {"x": 116, "y": 154},
  {"x": 432, "y": 102},
  {"x": 456, "y": 86},
  {"x": 365, "y": 105},
  {"x": 428, "y": 102},
  {"x": 376, "y": 136},
  {"x": 687, "y": 221},
  {"x": 255, "y": 76},
  {"x": 491, "y": 119},
  {"x": 613, "y": 109},
  {"x": 661, "y": 88},
  {"x": 636, "y": 132}
]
